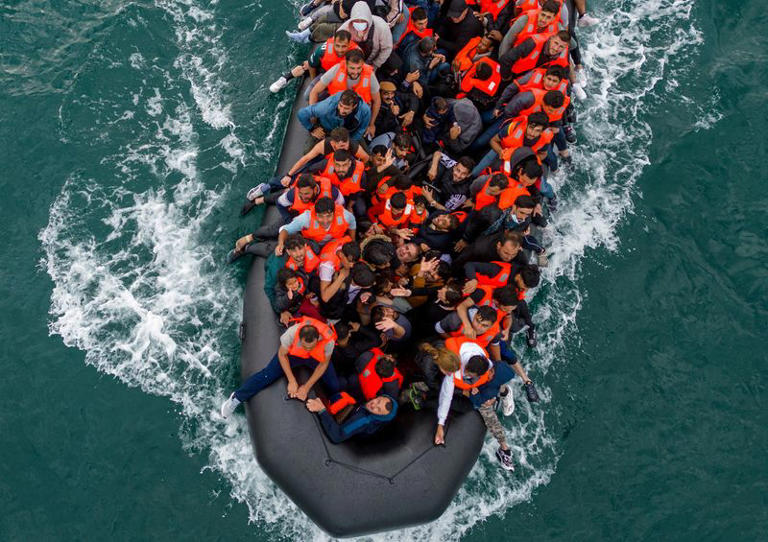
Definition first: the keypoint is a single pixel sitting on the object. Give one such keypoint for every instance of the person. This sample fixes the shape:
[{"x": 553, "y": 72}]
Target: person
[
  {"x": 343, "y": 109},
  {"x": 363, "y": 419},
  {"x": 466, "y": 125},
  {"x": 416, "y": 28},
  {"x": 325, "y": 222},
  {"x": 376, "y": 373},
  {"x": 457, "y": 28},
  {"x": 370, "y": 32},
  {"x": 307, "y": 343},
  {"x": 289, "y": 294},
  {"x": 546, "y": 19},
  {"x": 395, "y": 115},
  {"x": 424, "y": 59},
  {"x": 514, "y": 133},
  {"x": 449, "y": 182},
  {"x": 540, "y": 50}
]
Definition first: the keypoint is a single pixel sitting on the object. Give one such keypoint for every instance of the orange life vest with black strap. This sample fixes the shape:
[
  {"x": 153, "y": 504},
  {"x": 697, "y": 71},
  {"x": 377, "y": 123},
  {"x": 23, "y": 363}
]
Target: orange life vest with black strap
[
  {"x": 487, "y": 298},
  {"x": 338, "y": 228},
  {"x": 417, "y": 219},
  {"x": 489, "y": 86},
  {"x": 530, "y": 62},
  {"x": 329, "y": 253},
  {"x": 350, "y": 184},
  {"x": 411, "y": 29},
  {"x": 482, "y": 199},
  {"x": 454, "y": 344},
  {"x": 330, "y": 58},
  {"x": 386, "y": 219},
  {"x": 342, "y": 401},
  {"x": 538, "y": 105},
  {"x": 536, "y": 80},
  {"x": 482, "y": 340},
  {"x": 363, "y": 86},
  {"x": 497, "y": 281},
  {"x": 493, "y": 7},
  {"x": 526, "y": 5},
  {"x": 465, "y": 58},
  {"x": 327, "y": 335},
  {"x": 370, "y": 382},
  {"x": 532, "y": 26},
  {"x": 311, "y": 261},
  {"x": 515, "y": 137},
  {"x": 299, "y": 206}
]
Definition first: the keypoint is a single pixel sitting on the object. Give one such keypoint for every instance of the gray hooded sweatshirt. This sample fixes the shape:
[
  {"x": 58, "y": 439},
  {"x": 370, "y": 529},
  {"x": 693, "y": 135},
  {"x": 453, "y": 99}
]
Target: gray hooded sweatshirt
[
  {"x": 381, "y": 41},
  {"x": 468, "y": 118}
]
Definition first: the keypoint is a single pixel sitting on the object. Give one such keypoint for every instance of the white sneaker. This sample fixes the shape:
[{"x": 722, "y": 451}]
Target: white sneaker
[
  {"x": 278, "y": 85},
  {"x": 578, "y": 91},
  {"x": 305, "y": 23},
  {"x": 542, "y": 260},
  {"x": 229, "y": 406},
  {"x": 507, "y": 402},
  {"x": 257, "y": 191},
  {"x": 587, "y": 20}
]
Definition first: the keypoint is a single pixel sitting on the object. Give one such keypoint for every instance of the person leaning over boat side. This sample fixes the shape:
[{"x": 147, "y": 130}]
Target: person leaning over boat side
[
  {"x": 363, "y": 419},
  {"x": 344, "y": 109},
  {"x": 307, "y": 343},
  {"x": 479, "y": 380}
]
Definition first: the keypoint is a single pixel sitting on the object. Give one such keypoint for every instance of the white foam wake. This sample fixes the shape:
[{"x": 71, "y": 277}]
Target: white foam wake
[{"x": 144, "y": 296}]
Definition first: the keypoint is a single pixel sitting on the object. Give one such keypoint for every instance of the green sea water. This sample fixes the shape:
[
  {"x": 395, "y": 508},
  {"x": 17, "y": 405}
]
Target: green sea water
[{"x": 129, "y": 132}]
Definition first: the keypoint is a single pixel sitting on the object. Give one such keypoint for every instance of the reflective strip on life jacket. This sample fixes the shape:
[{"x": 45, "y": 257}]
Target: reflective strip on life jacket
[
  {"x": 318, "y": 352},
  {"x": 363, "y": 86},
  {"x": 370, "y": 382}
]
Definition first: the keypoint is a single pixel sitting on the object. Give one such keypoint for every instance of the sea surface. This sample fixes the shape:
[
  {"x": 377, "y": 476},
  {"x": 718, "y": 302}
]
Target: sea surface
[{"x": 129, "y": 132}]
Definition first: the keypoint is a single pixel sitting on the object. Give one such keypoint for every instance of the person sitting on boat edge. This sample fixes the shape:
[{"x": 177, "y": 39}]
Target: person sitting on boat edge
[
  {"x": 343, "y": 109},
  {"x": 307, "y": 343},
  {"x": 362, "y": 419}
]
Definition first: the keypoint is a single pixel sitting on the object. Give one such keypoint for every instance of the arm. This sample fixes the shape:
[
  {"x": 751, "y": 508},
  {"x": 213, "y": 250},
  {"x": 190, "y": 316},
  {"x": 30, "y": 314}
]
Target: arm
[
  {"x": 329, "y": 289},
  {"x": 332, "y": 428},
  {"x": 511, "y": 35},
  {"x": 518, "y": 103},
  {"x": 445, "y": 399},
  {"x": 285, "y": 364},
  {"x": 508, "y": 59},
  {"x": 462, "y": 311},
  {"x": 375, "y": 107},
  {"x": 303, "y": 390},
  {"x": 496, "y": 144},
  {"x": 316, "y": 151}
]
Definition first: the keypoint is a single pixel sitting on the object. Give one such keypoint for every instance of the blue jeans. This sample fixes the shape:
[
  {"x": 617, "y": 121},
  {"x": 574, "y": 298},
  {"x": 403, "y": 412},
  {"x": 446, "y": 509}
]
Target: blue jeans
[
  {"x": 507, "y": 354},
  {"x": 546, "y": 189},
  {"x": 489, "y": 158},
  {"x": 484, "y": 139},
  {"x": 274, "y": 371}
]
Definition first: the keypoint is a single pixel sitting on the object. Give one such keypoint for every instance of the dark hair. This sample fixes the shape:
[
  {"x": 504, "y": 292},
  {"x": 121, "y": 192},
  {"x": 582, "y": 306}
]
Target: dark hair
[
  {"x": 554, "y": 98},
  {"x": 379, "y": 149},
  {"x": 530, "y": 275},
  {"x": 483, "y": 71},
  {"x": 564, "y": 35},
  {"x": 378, "y": 252},
  {"x": 539, "y": 118},
  {"x": 377, "y": 314},
  {"x": 342, "y": 330},
  {"x": 385, "y": 366},
  {"x": 355, "y": 56},
  {"x": 306, "y": 180},
  {"x": 419, "y": 14},
  {"x": 525, "y": 202},
  {"x": 401, "y": 182},
  {"x": 532, "y": 169},
  {"x": 551, "y": 6},
  {"x": 454, "y": 221},
  {"x": 477, "y": 365},
  {"x": 351, "y": 250},
  {"x": 505, "y": 295},
  {"x": 349, "y": 97},
  {"x": 342, "y": 35},
  {"x": 285, "y": 274},
  {"x": 295, "y": 240},
  {"x": 398, "y": 201},
  {"x": 342, "y": 155},
  {"x": 309, "y": 333},
  {"x": 487, "y": 313},
  {"x": 426, "y": 45},
  {"x": 402, "y": 140},
  {"x": 362, "y": 275},
  {"x": 557, "y": 71},
  {"x": 325, "y": 205},
  {"x": 499, "y": 180},
  {"x": 421, "y": 199},
  {"x": 439, "y": 103},
  {"x": 514, "y": 237},
  {"x": 453, "y": 293},
  {"x": 388, "y": 405},
  {"x": 467, "y": 162},
  {"x": 339, "y": 134}
]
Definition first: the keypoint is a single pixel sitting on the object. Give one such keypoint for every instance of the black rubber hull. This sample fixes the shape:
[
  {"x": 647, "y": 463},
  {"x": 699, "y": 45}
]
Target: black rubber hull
[{"x": 393, "y": 480}]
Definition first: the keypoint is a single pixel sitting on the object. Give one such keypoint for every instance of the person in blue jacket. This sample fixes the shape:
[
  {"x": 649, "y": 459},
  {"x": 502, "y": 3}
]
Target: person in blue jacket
[
  {"x": 342, "y": 109},
  {"x": 364, "y": 419}
]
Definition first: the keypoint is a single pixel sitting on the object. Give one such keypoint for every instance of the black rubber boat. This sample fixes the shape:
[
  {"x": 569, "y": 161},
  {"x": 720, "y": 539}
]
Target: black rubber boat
[{"x": 393, "y": 479}]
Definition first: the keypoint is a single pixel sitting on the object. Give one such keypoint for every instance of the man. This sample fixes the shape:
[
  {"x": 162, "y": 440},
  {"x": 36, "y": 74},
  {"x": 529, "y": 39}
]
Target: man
[
  {"x": 371, "y": 33},
  {"x": 438, "y": 232},
  {"x": 396, "y": 114},
  {"x": 363, "y": 419},
  {"x": 422, "y": 58},
  {"x": 515, "y": 133},
  {"x": 544, "y": 20},
  {"x": 457, "y": 28},
  {"x": 376, "y": 373},
  {"x": 307, "y": 343},
  {"x": 467, "y": 124},
  {"x": 325, "y": 222},
  {"x": 536, "y": 51},
  {"x": 416, "y": 29},
  {"x": 451, "y": 181},
  {"x": 344, "y": 109},
  {"x": 503, "y": 246}
]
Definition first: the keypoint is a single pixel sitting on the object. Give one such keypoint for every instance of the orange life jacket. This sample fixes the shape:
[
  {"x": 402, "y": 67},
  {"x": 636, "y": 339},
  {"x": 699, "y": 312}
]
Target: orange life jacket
[
  {"x": 514, "y": 137},
  {"x": 464, "y": 59},
  {"x": 311, "y": 261},
  {"x": 338, "y": 228},
  {"x": 536, "y": 80},
  {"x": 493, "y": 7},
  {"x": 538, "y": 105},
  {"x": 411, "y": 29},
  {"x": 386, "y": 219},
  {"x": 487, "y": 298},
  {"x": 483, "y": 340},
  {"x": 340, "y": 403},
  {"x": 498, "y": 280},
  {"x": 371, "y": 382},
  {"x": 417, "y": 219},
  {"x": 330, "y": 58},
  {"x": 527, "y": 63},
  {"x": 454, "y": 345},
  {"x": 329, "y": 253},
  {"x": 482, "y": 199},
  {"x": 363, "y": 86},
  {"x": 299, "y": 206},
  {"x": 532, "y": 26},
  {"x": 349, "y": 185},
  {"x": 527, "y": 5},
  {"x": 461, "y": 215},
  {"x": 489, "y": 86},
  {"x": 327, "y": 335}
]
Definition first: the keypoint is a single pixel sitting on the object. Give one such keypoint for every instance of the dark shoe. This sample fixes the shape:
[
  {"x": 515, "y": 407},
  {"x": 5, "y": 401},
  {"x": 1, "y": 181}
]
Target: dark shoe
[
  {"x": 531, "y": 338},
  {"x": 247, "y": 206},
  {"x": 570, "y": 134},
  {"x": 530, "y": 392},
  {"x": 505, "y": 458},
  {"x": 234, "y": 255},
  {"x": 552, "y": 204},
  {"x": 306, "y": 9}
]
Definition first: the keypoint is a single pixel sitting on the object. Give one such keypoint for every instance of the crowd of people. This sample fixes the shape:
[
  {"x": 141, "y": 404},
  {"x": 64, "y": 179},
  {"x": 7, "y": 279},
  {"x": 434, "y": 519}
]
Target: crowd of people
[{"x": 410, "y": 231}]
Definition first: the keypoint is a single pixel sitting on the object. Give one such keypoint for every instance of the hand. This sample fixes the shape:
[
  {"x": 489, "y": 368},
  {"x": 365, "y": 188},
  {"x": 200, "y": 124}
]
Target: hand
[
  {"x": 406, "y": 119},
  {"x": 431, "y": 174},
  {"x": 537, "y": 209},
  {"x": 389, "y": 159},
  {"x": 460, "y": 245},
  {"x": 386, "y": 324},
  {"x": 285, "y": 317},
  {"x": 489, "y": 402},
  {"x": 440, "y": 436},
  {"x": 370, "y": 131},
  {"x": 470, "y": 286},
  {"x": 286, "y": 181},
  {"x": 469, "y": 332},
  {"x": 315, "y": 405},
  {"x": 292, "y": 387},
  {"x": 413, "y": 76},
  {"x": 365, "y": 297},
  {"x": 428, "y": 266},
  {"x": 318, "y": 132},
  {"x": 403, "y": 233},
  {"x": 455, "y": 131},
  {"x": 496, "y": 112},
  {"x": 400, "y": 292},
  {"x": 417, "y": 90},
  {"x": 394, "y": 108},
  {"x": 279, "y": 249},
  {"x": 301, "y": 393},
  {"x": 434, "y": 62},
  {"x": 495, "y": 35}
]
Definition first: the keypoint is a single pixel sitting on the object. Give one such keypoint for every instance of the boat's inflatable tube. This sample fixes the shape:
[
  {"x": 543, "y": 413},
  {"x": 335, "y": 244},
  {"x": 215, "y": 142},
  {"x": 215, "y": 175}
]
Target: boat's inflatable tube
[{"x": 393, "y": 479}]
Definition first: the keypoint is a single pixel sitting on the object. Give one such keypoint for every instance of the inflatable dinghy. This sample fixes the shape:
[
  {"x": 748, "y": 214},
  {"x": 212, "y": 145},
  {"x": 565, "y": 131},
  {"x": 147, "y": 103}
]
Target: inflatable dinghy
[{"x": 396, "y": 478}]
